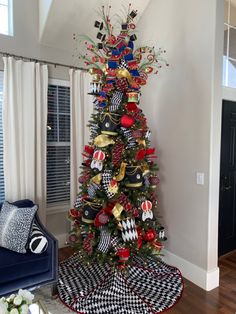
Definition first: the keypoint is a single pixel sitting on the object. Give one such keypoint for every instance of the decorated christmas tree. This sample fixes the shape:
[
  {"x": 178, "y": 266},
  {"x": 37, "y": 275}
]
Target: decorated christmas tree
[
  {"x": 115, "y": 215},
  {"x": 116, "y": 232}
]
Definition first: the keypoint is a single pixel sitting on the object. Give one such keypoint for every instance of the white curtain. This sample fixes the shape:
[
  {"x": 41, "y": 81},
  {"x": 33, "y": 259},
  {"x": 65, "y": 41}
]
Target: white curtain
[
  {"x": 81, "y": 110},
  {"x": 25, "y": 131}
]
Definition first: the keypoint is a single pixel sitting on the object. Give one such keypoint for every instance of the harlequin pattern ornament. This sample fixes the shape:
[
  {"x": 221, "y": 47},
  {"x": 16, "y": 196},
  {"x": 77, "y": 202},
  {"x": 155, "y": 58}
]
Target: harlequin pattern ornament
[
  {"x": 129, "y": 231},
  {"x": 147, "y": 210}
]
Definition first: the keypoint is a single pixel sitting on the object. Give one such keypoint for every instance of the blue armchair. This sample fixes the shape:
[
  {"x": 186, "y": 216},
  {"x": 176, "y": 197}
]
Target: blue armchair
[{"x": 28, "y": 270}]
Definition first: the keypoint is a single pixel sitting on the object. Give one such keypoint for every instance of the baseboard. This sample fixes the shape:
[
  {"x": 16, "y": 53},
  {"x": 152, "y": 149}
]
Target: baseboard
[
  {"x": 62, "y": 238},
  {"x": 207, "y": 280}
]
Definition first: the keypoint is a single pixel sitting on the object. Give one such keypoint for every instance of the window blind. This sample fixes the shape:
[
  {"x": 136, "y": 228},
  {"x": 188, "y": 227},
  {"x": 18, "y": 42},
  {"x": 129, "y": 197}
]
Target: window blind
[
  {"x": 1, "y": 142},
  {"x": 58, "y": 145}
]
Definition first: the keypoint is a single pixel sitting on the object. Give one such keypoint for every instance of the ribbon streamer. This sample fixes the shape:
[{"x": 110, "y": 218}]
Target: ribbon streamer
[
  {"x": 117, "y": 210},
  {"x": 121, "y": 173},
  {"x": 103, "y": 140}
]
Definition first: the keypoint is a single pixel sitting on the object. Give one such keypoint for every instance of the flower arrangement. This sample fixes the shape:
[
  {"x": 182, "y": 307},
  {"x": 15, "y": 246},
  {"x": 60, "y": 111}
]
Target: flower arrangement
[{"x": 16, "y": 303}]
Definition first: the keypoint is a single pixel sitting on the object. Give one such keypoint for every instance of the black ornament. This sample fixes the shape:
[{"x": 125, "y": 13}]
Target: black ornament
[
  {"x": 134, "y": 176},
  {"x": 133, "y": 14},
  {"x": 90, "y": 210},
  {"x": 124, "y": 26},
  {"x": 100, "y": 46},
  {"x": 110, "y": 123},
  {"x": 133, "y": 37},
  {"x": 99, "y": 25}
]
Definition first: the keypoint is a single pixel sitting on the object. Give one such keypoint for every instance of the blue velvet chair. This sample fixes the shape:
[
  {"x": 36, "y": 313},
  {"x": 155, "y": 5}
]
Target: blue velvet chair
[{"x": 29, "y": 270}]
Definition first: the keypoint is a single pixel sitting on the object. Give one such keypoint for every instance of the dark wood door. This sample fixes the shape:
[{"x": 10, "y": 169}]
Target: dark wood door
[{"x": 227, "y": 202}]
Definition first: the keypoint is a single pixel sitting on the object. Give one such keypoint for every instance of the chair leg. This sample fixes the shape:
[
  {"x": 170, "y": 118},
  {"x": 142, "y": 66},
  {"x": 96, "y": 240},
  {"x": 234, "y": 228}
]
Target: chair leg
[{"x": 54, "y": 291}]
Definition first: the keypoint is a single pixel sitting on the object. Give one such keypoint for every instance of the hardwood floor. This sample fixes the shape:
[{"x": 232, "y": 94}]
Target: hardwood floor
[{"x": 195, "y": 300}]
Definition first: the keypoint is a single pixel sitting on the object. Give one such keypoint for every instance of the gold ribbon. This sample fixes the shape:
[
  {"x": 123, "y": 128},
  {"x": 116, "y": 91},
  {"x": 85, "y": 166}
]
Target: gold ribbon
[
  {"x": 117, "y": 210},
  {"x": 97, "y": 179},
  {"x": 121, "y": 173},
  {"x": 124, "y": 73},
  {"x": 103, "y": 140}
]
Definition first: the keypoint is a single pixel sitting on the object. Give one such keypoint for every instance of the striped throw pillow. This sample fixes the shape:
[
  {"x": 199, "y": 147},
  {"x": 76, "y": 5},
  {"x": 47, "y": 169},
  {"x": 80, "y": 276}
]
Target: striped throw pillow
[{"x": 38, "y": 243}]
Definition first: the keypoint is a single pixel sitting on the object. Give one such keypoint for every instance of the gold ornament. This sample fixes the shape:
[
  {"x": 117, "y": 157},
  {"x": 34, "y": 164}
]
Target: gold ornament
[
  {"x": 97, "y": 179},
  {"x": 121, "y": 173},
  {"x": 91, "y": 71},
  {"x": 96, "y": 77},
  {"x": 103, "y": 140},
  {"x": 117, "y": 210},
  {"x": 141, "y": 142}
]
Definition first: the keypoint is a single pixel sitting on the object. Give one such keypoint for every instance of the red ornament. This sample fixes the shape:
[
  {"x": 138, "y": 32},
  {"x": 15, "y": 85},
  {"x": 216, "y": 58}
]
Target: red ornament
[
  {"x": 74, "y": 213},
  {"x": 126, "y": 121},
  {"x": 149, "y": 235},
  {"x": 140, "y": 238},
  {"x": 124, "y": 254},
  {"x": 157, "y": 245},
  {"x": 131, "y": 106},
  {"x": 101, "y": 219},
  {"x": 140, "y": 154},
  {"x": 146, "y": 205},
  {"x": 135, "y": 212}
]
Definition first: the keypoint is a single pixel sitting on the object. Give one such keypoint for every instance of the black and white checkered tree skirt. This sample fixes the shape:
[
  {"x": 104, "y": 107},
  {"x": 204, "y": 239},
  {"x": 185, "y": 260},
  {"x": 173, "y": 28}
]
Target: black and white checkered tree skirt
[{"x": 98, "y": 289}]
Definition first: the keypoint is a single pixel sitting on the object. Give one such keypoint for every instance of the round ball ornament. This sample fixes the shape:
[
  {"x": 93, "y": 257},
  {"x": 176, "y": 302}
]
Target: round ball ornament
[
  {"x": 126, "y": 121},
  {"x": 149, "y": 235}
]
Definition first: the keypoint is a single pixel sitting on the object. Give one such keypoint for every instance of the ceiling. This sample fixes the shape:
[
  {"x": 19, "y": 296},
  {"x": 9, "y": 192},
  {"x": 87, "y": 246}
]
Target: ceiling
[{"x": 61, "y": 19}]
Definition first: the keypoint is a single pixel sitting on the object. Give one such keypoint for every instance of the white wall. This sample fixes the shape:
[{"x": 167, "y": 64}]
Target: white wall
[
  {"x": 182, "y": 105},
  {"x": 25, "y": 43}
]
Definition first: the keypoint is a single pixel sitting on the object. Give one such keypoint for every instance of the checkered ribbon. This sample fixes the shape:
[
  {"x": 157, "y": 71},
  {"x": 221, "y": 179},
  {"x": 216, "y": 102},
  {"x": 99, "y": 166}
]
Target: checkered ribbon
[
  {"x": 115, "y": 243},
  {"x": 123, "y": 65},
  {"x": 106, "y": 179},
  {"x": 99, "y": 289},
  {"x": 79, "y": 202},
  {"x": 105, "y": 239}
]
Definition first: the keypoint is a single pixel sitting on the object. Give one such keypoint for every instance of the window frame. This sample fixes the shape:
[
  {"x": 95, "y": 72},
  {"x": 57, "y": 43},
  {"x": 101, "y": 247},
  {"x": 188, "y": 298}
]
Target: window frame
[
  {"x": 60, "y": 207},
  {"x": 2, "y": 199},
  {"x": 10, "y": 19}
]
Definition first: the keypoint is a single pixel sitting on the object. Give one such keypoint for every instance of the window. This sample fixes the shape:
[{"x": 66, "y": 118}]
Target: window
[
  {"x": 6, "y": 21},
  {"x": 58, "y": 146},
  {"x": 229, "y": 58},
  {"x": 1, "y": 141}
]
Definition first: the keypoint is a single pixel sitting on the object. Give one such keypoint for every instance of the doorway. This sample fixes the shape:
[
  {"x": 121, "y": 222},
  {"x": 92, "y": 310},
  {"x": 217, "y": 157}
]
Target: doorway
[{"x": 227, "y": 199}]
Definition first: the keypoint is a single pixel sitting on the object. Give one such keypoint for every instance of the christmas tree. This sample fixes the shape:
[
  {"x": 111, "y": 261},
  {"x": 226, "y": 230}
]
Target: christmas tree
[{"x": 115, "y": 215}]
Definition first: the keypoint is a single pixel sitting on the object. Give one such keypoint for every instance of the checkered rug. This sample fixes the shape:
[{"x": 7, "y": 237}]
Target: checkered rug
[{"x": 140, "y": 289}]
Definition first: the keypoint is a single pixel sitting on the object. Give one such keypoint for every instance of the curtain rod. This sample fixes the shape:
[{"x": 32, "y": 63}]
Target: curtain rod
[{"x": 6, "y": 54}]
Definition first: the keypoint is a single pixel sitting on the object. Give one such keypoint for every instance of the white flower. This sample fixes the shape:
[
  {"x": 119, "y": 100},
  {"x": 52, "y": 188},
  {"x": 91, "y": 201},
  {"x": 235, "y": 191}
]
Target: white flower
[
  {"x": 2, "y": 299},
  {"x": 14, "y": 311},
  {"x": 24, "y": 309},
  {"x": 18, "y": 300},
  {"x": 3, "y": 308},
  {"x": 26, "y": 295}
]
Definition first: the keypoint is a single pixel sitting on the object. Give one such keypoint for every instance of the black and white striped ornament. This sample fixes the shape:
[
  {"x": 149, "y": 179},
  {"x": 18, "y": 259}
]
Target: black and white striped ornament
[
  {"x": 94, "y": 128},
  {"x": 38, "y": 242},
  {"x": 92, "y": 188},
  {"x": 128, "y": 135},
  {"x": 79, "y": 202},
  {"x": 106, "y": 179},
  {"x": 116, "y": 100},
  {"x": 105, "y": 240}
]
